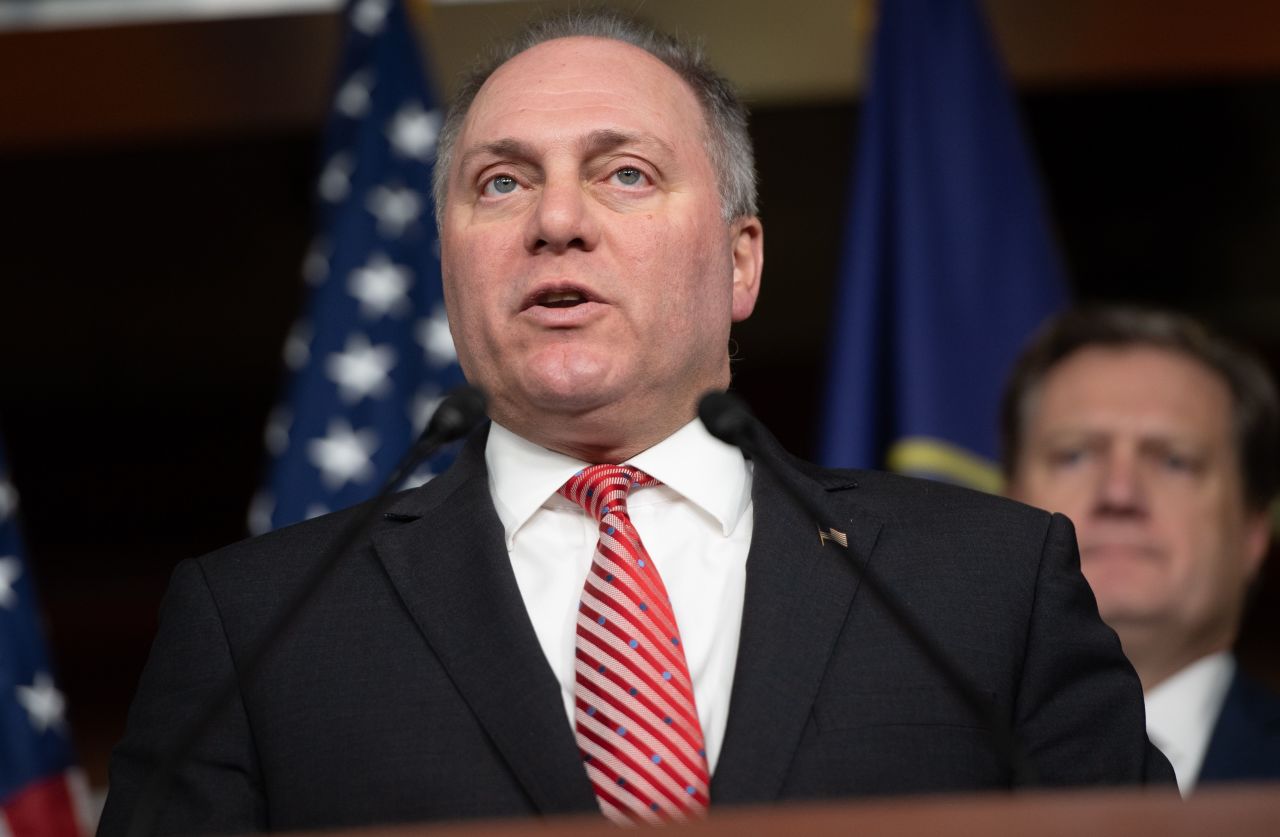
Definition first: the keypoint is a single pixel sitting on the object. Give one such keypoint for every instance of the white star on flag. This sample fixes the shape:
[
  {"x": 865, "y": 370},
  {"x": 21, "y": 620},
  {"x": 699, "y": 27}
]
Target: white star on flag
[
  {"x": 395, "y": 207},
  {"x": 369, "y": 16},
  {"x": 276, "y": 434},
  {"x": 315, "y": 265},
  {"x": 381, "y": 287},
  {"x": 413, "y": 132},
  {"x": 45, "y": 705},
  {"x": 261, "y": 508},
  {"x": 335, "y": 179},
  {"x": 432, "y": 333},
  {"x": 361, "y": 370},
  {"x": 424, "y": 406},
  {"x": 421, "y": 476},
  {"x": 353, "y": 96},
  {"x": 297, "y": 346},
  {"x": 10, "y": 569},
  {"x": 342, "y": 456},
  {"x": 8, "y": 499}
]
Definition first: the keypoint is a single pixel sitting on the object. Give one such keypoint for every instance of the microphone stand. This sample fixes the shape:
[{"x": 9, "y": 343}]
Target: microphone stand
[{"x": 729, "y": 420}]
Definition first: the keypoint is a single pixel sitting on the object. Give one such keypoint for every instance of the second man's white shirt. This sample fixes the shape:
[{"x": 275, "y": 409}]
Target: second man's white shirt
[
  {"x": 696, "y": 527},
  {"x": 1183, "y": 710}
]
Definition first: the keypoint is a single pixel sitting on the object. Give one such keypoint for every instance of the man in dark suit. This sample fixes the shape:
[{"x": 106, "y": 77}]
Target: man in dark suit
[
  {"x": 596, "y": 202},
  {"x": 1159, "y": 441}
]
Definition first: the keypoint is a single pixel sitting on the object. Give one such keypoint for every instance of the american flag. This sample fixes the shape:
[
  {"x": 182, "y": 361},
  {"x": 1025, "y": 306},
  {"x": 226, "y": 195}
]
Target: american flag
[
  {"x": 371, "y": 356},
  {"x": 41, "y": 790}
]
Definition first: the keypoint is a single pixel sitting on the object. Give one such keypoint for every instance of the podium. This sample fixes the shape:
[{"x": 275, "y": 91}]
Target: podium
[{"x": 1225, "y": 811}]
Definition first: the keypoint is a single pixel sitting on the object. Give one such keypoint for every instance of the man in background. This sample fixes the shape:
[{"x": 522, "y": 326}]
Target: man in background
[{"x": 1159, "y": 441}]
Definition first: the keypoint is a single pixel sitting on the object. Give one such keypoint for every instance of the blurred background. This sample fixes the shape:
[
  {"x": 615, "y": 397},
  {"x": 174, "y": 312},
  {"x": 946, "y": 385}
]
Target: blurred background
[{"x": 157, "y": 170}]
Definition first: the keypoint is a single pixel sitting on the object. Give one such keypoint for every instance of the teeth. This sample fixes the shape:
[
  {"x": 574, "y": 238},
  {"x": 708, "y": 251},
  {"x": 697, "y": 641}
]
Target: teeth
[{"x": 561, "y": 298}]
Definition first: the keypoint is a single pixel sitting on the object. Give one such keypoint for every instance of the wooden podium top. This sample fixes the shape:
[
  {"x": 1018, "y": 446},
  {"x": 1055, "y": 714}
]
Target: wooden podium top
[{"x": 1231, "y": 811}]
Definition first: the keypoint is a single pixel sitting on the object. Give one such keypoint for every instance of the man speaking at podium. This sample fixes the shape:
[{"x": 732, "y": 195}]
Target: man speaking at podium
[{"x": 596, "y": 204}]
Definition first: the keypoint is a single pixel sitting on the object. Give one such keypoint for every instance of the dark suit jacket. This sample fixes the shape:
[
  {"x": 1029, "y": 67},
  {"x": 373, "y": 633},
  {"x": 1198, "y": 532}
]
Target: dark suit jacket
[
  {"x": 1245, "y": 745},
  {"x": 414, "y": 687}
]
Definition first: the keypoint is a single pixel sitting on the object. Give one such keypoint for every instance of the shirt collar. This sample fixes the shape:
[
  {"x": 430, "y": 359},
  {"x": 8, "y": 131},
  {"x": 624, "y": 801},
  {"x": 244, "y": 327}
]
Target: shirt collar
[
  {"x": 1182, "y": 710},
  {"x": 712, "y": 475}
]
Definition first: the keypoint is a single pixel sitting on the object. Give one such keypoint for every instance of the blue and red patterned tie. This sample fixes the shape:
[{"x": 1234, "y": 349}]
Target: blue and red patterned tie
[{"x": 635, "y": 718}]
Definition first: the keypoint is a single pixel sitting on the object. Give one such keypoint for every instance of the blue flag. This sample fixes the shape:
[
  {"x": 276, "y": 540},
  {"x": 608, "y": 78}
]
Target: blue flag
[
  {"x": 372, "y": 355},
  {"x": 40, "y": 789},
  {"x": 949, "y": 265}
]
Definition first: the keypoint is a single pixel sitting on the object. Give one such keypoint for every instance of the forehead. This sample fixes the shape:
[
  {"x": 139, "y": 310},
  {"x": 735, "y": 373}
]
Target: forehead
[
  {"x": 1139, "y": 388},
  {"x": 557, "y": 86}
]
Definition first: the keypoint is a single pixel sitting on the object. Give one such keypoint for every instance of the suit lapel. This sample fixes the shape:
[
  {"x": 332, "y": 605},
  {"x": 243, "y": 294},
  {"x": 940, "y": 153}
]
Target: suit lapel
[
  {"x": 799, "y": 590},
  {"x": 449, "y": 564}
]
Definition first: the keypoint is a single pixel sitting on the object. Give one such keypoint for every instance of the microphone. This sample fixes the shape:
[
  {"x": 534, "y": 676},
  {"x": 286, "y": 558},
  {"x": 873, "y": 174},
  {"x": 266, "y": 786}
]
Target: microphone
[
  {"x": 729, "y": 420},
  {"x": 460, "y": 411}
]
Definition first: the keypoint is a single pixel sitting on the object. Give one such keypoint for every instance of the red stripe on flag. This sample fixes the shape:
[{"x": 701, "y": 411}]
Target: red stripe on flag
[{"x": 43, "y": 809}]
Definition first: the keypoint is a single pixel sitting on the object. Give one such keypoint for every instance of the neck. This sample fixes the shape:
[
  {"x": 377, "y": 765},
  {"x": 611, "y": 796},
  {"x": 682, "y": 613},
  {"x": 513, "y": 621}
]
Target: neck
[
  {"x": 1156, "y": 660},
  {"x": 596, "y": 436},
  {"x": 599, "y": 453}
]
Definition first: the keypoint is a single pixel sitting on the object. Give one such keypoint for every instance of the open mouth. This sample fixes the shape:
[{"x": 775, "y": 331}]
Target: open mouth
[
  {"x": 560, "y": 299},
  {"x": 562, "y": 296}
]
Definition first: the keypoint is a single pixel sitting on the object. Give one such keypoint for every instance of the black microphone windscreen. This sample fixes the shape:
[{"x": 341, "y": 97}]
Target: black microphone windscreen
[
  {"x": 726, "y": 418},
  {"x": 461, "y": 410}
]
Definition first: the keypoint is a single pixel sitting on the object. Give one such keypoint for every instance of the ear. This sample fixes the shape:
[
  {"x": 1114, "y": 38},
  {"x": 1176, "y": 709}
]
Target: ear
[
  {"x": 1014, "y": 487},
  {"x": 1257, "y": 537},
  {"x": 748, "y": 263}
]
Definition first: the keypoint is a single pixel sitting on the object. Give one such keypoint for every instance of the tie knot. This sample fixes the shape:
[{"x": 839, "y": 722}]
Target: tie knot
[{"x": 601, "y": 489}]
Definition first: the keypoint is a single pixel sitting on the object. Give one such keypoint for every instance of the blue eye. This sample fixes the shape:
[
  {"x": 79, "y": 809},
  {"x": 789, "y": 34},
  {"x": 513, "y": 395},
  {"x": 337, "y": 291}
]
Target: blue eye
[
  {"x": 1178, "y": 462},
  {"x": 1067, "y": 457},
  {"x": 630, "y": 176},
  {"x": 503, "y": 184}
]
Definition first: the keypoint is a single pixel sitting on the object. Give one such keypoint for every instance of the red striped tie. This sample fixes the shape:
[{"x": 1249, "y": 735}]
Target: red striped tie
[{"x": 635, "y": 719}]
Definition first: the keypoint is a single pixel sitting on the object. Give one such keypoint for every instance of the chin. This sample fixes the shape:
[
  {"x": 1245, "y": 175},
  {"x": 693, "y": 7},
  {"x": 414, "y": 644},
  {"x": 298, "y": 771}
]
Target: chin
[
  {"x": 1129, "y": 612},
  {"x": 572, "y": 391},
  {"x": 1125, "y": 595},
  {"x": 567, "y": 374},
  {"x": 539, "y": 398}
]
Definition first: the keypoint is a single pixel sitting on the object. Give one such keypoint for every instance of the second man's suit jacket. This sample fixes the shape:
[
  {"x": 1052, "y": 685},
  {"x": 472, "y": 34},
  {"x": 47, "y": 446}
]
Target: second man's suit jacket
[
  {"x": 414, "y": 688},
  {"x": 1245, "y": 744}
]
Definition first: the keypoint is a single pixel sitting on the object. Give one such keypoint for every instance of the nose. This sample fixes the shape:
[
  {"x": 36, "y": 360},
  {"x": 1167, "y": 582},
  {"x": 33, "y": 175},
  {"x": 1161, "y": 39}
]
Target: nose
[
  {"x": 1121, "y": 488},
  {"x": 563, "y": 218}
]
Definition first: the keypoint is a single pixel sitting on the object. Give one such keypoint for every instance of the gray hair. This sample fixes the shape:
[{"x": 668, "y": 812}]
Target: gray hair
[{"x": 728, "y": 143}]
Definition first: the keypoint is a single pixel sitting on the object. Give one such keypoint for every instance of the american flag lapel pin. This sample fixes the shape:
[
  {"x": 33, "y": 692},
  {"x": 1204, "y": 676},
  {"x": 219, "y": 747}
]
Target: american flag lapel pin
[{"x": 833, "y": 535}]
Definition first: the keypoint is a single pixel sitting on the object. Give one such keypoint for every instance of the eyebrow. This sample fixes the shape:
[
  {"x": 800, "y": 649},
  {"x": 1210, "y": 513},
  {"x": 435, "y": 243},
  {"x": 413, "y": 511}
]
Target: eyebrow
[
  {"x": 1147, "y": 439},
  {"x": 597, "y": 142},
  {"x": 604, "y": 140},
  {"x": 498, "y": 148}
]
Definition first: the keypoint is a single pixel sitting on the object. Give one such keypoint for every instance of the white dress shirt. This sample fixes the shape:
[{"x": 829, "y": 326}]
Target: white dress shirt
[
  {"x": 1182, "y": 711},
  {"x": 696, "y": 527}
]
